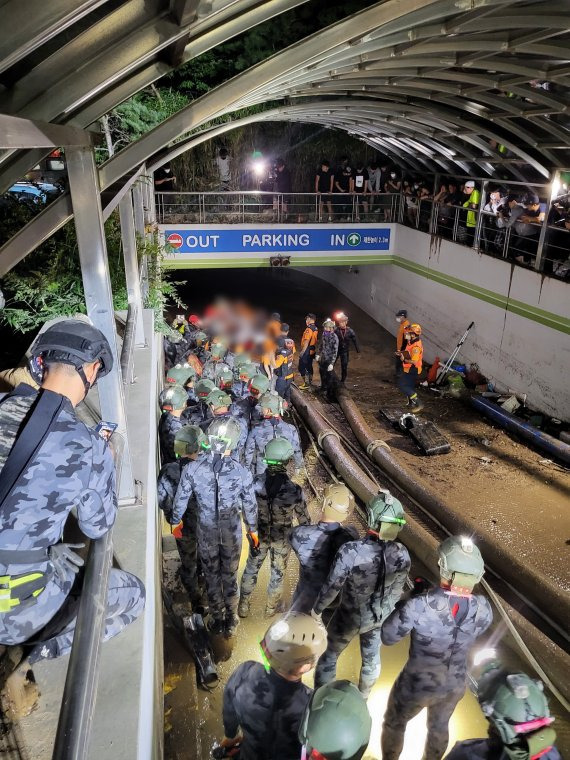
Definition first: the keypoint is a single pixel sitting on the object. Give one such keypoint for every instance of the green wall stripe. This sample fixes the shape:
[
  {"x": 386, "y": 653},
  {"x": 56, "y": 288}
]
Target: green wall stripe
[
  {"x": 546, "y": 318},
  {"x": 541, "y": 316}
]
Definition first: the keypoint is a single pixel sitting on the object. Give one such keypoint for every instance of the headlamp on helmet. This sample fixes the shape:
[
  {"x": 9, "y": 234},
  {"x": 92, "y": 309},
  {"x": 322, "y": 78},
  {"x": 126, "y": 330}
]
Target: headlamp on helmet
[
  {"x": 385, "y": 515},
  {"x": 189, "y": 440},
  {"x": 277, "y": 452},
  {"x": 223, "y": 435},
  {"x": 460, "y": 563}
]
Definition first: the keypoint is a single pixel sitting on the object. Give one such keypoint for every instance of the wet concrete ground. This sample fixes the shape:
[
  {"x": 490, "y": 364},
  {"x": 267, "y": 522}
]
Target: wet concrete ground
[{"x": 193, "y": 717}]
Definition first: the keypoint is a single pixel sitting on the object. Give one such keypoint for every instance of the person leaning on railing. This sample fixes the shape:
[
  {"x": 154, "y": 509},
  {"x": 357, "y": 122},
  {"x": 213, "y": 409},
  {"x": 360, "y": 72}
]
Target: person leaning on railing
[{"x": 51, "y": 463}]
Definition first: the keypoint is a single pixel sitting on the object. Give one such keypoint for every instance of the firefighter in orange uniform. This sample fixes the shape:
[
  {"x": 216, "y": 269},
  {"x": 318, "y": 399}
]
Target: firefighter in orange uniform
[{"x": 411, "y": 358}]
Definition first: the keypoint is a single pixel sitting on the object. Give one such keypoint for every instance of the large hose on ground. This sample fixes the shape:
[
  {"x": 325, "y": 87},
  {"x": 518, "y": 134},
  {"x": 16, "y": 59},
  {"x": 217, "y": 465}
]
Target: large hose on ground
[
  {"x": 543, "y": 441},
  {"x": 419, "y": 540},
  {"x": 546, "y": 597}
]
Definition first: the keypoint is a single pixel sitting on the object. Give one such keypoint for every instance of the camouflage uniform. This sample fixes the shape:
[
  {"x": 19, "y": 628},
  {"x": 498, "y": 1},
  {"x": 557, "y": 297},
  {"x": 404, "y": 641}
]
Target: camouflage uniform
[
  {"x": 268, "y": 709},
  {"x": 222, "y": 488},
  {"x": 211, "y": 367},
  {"x": 316, "y": 547},
  {"x": 248, "y": 409},
  {"x": 260, "y": 436},
  {"x": 199, "y": 414},
  {"x": 73, "y": 468},
  {"x": 484, "y": 749},
  {"x": 327, "y": 353},
  {"x": 279, "y": 500},
  {"x": 435, "y": 674},
  {"x": 186, "y": 345},
  {"x": 168, "y": 426},
  {"x": 370, "y": 576},
  {"x": 168, "y": 481}
]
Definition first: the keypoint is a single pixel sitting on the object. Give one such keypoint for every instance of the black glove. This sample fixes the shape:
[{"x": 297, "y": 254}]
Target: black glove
[{"x": 420, "y": 586}]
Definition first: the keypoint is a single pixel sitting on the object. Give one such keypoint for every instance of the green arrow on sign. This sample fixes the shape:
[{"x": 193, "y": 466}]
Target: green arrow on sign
[{"x": 353, "y": 239}]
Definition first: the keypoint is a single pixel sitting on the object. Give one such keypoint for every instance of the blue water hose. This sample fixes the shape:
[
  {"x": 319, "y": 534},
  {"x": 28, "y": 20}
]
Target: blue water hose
[{"x": 543, "y": 441}]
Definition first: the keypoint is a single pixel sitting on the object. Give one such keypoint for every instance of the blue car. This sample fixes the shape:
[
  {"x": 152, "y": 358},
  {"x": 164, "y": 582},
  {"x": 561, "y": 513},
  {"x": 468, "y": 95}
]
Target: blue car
[{"x": 37, "y": 193}]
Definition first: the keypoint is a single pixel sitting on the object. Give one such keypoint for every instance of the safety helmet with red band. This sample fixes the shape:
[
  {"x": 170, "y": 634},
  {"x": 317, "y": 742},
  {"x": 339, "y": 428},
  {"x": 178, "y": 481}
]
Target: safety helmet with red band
[
  {"x": 258, "y": 385},
  {"x": 203, "y": 388},
  {"x": 517, "y": 707}
]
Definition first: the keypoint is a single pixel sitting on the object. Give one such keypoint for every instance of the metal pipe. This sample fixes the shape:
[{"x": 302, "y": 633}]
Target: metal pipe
[
  {"x": 80, "y": 691},
  {"x": 542, "y": 441},
  {"x": 127, "y": 351},
  {"x": 542, "y": 593},
  {"x": 83, "y": 183},
  {"x": 129, "y": 241}
]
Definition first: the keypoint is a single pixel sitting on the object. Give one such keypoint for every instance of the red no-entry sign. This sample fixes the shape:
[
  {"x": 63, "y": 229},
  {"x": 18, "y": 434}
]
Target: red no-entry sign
[{"x": 174, "y": 240}]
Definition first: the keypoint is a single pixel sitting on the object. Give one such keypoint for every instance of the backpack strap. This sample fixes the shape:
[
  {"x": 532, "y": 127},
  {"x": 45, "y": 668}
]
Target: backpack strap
[{"x": 38, "y": 422}]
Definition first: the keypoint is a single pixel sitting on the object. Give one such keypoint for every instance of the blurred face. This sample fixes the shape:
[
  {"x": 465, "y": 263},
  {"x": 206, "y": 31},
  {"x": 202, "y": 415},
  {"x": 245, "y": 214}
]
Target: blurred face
[
  {"x": 342, "y": 323},
  {"x": 309, "y": 321},
  {"x": 496, "y": 196},
  {"x": 467, "y": 189}
]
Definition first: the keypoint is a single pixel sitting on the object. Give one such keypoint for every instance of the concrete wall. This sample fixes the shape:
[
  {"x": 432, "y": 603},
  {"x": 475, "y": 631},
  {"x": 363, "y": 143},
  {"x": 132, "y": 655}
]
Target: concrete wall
[{"x": 522, "y": 319}]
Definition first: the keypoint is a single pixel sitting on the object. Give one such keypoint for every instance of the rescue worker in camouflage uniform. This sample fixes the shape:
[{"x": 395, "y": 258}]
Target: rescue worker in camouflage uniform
[
  {"x": 245, "y": 373},
  {"x": 71, "y": 467},
  {"x": 519, "y": 720},
  {"x": 247, "y": 407},
  {"x": 222, "y": 489},
  {"x": 224, "y": 381},
  {"x": 184, "y": 375},
  {"x": 271, "y": 426},
  {"x": 201, "y": 351},
  {"x": 215, "y": 363},
  {"x": 370, "y": 575},
  {"x": 336, "y": 723},
  {"x": 199, "y": 413},
  {"x": 346, "y": 336},
  {"x": 443, "y": 624},
  {"x": 279, "y": 502},
  {"x": 263, "y": 706},
  {"x": 221, "y": 407},
  {"x": 327, "y": 353},
  {"x": 173, "y": 401},
  {"x": 189, "y": 443},
  {"x": 316, "y": 545}
]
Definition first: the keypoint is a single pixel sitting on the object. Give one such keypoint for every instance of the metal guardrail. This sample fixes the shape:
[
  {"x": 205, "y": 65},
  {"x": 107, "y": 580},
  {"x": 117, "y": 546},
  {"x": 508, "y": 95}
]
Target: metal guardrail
[
  {"x": 82, "y": 679},
  {"x": 546, "y": 249}
]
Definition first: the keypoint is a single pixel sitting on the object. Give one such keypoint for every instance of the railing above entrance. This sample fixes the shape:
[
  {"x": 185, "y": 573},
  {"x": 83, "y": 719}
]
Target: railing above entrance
[{"x": 534, "y": 244}]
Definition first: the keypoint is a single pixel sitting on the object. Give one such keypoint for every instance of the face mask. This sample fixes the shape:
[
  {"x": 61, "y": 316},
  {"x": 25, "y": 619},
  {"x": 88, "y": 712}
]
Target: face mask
[{"x": 398, "y": 319}]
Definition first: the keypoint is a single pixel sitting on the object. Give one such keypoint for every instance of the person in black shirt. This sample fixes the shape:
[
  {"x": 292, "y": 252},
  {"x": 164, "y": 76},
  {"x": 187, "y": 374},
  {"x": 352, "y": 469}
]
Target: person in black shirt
[
  {"x": 360, "y": 186},
  {"x": 324, "y": 180},
  {"x": 281, "y": 183},
  {"x": 342, "y": 184},
  {"x": 164, "y": 179}
]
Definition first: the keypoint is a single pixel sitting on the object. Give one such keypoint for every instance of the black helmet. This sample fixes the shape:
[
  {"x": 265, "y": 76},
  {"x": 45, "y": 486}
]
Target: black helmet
[{"x": 71, "y": 341}]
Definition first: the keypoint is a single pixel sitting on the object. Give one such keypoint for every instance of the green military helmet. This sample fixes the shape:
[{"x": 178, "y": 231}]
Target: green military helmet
[
  {"x": 247, "y": 371},
  {"x": 272, "y": 403},
  {"x": 293, "y": 641},
  {"x": 460, "y": 562},
  {"x": 258, "y": 385},
  {"x": 517, "y": 707},
  {"x": 200, "y": 338},
  {"x": 338, "y": 502},
  {"x": 203, "y": 388},
  {"x": 224, "y": 377},
  {"x": 217, "y": 351},
  {"x": 223, "y": 434},
  {"x": 181, "y": 374},
  {"x": 278, "y": 451},
  {"x": 189, "y": 440},
  {"x": 173, "y": 398},
  {"x": 241, "y": 359},
  {"x": 385, "y": 515},
  {"x": 336, "y": 722},
  {"x": 217, "y": 398}
]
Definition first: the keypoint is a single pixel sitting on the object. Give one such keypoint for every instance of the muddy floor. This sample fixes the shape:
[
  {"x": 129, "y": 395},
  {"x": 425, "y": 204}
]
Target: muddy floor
[
  {"x": 513, "y": 492},
  {"x": 515, "y": 496}
]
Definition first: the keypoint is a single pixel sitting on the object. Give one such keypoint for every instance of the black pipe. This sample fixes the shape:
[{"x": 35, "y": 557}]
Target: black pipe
[{"x": 536, "y": 587}]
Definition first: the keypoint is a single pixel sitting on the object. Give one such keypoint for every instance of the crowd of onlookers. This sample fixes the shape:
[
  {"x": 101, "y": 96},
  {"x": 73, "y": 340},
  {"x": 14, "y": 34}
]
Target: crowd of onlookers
[{"x": 515, "y": 211}]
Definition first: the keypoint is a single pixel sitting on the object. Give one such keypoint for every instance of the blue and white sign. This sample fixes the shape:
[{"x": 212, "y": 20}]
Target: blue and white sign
[{"x": 276, "y": 240}]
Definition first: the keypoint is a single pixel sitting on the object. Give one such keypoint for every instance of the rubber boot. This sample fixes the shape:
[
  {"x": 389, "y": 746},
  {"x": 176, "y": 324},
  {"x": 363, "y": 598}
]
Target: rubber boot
[
  {"x": 414, "y": 404},
  {"x": 243, "y": 606}
]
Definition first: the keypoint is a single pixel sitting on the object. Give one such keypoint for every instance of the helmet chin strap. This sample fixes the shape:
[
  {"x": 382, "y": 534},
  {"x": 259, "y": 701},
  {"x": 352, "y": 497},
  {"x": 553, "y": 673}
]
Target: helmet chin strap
[{"x": 86, "y": 384}]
